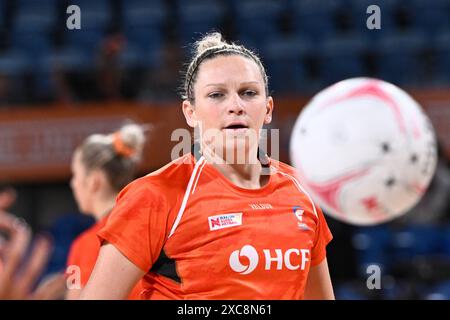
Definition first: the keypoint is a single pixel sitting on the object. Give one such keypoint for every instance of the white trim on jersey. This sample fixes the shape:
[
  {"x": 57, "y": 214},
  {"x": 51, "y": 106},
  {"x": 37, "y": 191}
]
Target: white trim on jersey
[
  {"x": 186, "y": 194},
  {"x": 198, "y": 176},
  {"x": 299, "y": 186}
]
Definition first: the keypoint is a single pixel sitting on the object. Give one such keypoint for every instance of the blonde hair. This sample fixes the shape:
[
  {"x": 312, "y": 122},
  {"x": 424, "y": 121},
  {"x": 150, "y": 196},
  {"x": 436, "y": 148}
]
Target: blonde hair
[
  {"x": 210, "y": 46},
  {"x": 117, "y": 154}
]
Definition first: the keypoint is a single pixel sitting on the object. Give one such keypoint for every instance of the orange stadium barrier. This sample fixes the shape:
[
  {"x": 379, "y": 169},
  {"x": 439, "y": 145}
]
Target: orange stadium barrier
[{"x": 36, "y": 143}]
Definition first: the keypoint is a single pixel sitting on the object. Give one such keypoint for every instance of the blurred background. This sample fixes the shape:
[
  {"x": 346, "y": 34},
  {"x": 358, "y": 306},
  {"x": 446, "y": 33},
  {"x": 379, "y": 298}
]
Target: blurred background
[{"x": 58, "y": 85}]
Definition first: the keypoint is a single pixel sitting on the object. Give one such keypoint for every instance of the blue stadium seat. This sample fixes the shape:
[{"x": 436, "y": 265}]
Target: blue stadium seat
[
  {"x": 372, "y": 246},
  {"x": 14, "y": 63},
  {"x": 95, "y": 18},
  {"x": 34, "y": 20},
  {"x": 199, "y": 17},
  {"x": 258, "y": 20},
  {"x": 416, "y": 240},
  {"x": 67, "y": 59},
  {"x": 144, "y": 3},
  {"x": 145, "y": 38},
  {"x": 92, "y": 6},
  {"x": 43, "y": 7},
  {"x": 442, "y": 61},
  {"x": 87, "y": 39},
  {"x": 137, "y": 57},
  {"x": 140, "y": 14},
  {"x": 284, "y": 59},
  {"x": 64, "y": 231},
  {"x": 445, "y": 248},
  {"x": 398, "y": 57},
  {"x": 144, "y": 22},
  {"x": 314, "y": 19},
  {"x": 13, "y": 66},
  {"x": 342, "y": 57},
  {"x": 36, "y": 4},
  {"x": 32, "y": 43},
  {"x": 431, "y": 16},
  {"x": 348, "y": 291}
]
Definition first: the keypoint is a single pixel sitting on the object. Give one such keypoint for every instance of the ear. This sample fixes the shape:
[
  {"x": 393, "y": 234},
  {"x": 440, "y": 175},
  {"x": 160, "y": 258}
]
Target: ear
[
  {"x": 95, "y": 181},
  {"x": 269, "y": 110},
  {"x": 189, "y": 113}
]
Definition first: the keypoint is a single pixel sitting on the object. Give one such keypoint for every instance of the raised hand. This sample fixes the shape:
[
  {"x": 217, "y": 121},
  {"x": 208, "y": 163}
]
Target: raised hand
[{"x": 19, "y": 274}]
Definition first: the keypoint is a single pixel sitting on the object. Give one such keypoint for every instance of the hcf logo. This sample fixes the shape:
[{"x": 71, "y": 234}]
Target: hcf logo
[{"x": 245, "y": 260}]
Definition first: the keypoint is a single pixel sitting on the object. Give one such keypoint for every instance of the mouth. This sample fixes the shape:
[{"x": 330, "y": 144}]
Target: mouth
[{"x": 236, "y": 127}]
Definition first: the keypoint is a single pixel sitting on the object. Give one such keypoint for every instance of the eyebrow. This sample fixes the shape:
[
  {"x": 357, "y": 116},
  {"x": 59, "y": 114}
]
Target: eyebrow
[{"x": 223, "y": 84}]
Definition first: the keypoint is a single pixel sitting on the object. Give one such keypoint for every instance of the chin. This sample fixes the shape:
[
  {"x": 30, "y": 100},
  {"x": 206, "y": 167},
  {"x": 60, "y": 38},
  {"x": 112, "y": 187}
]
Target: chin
[{"x": 237, "y": 151}]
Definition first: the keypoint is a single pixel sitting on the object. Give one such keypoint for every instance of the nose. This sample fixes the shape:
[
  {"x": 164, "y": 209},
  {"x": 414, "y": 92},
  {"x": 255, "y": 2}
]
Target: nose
[{"x": 236, "y": 105}]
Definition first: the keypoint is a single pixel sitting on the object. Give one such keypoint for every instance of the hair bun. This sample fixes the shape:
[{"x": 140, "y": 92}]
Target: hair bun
[
  {"x": 129, "y": 141},
  {"x": 209, "y": 41}
]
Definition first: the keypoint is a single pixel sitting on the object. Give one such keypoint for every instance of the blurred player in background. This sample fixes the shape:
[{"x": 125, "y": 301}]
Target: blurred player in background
[
  {"x": 186, "y": 226},
  {"x": 101, "y": 166}
]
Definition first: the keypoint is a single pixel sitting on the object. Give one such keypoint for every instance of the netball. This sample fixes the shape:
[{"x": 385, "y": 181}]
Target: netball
[{"x": 365, "y": 150}]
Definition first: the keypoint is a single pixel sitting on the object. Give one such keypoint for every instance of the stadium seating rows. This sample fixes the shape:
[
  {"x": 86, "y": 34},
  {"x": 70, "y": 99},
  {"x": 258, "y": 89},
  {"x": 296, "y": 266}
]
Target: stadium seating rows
[{"x": 307, "y": 44}]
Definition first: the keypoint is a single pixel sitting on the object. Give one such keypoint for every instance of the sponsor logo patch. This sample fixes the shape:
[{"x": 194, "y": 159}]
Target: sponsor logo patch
[
  {"x": 298, "y": 211},
  {"x": 225, "y": 221}
]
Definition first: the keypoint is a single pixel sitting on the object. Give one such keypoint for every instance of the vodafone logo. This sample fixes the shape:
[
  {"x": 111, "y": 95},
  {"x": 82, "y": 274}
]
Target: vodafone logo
[
  {"x": 250, "y": 253},
  {"x": 245, "y": 260}
]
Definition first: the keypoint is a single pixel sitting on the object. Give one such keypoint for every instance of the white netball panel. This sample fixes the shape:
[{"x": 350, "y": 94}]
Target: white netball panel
[{"x": 365, "y": 150}]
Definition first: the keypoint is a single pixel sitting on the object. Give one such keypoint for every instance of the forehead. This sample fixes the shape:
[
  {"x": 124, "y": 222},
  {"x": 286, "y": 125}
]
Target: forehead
[{"x": 227, "y": 68}]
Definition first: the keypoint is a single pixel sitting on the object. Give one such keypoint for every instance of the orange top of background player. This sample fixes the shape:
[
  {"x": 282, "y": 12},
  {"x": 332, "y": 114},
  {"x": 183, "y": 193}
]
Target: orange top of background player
[{"x": 101, "y": 167}]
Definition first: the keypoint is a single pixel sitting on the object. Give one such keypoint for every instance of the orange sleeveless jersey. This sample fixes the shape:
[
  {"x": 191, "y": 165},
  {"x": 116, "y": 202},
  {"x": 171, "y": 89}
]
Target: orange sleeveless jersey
[
  {"x": 198, "y": 236},
  {"x": 84, "y": 251}
]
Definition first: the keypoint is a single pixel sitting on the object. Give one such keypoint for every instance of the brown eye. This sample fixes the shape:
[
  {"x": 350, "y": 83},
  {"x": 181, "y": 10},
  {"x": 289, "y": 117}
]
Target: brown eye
[
  {"x": 215, "y": 95},
  {"x": 249, "y": 93}
]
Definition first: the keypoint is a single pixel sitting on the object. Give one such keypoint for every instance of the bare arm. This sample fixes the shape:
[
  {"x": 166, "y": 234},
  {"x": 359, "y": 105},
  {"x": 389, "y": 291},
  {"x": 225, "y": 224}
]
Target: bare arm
[
  {"x": 318, "y": 285},
  {"x": 73, "y": 294},
  {"x": 113, "y": 277}
]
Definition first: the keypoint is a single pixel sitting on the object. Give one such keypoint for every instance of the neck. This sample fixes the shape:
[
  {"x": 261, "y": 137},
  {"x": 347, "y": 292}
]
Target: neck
[
  {"x": 103, "y": 206},
  {"x": 245, "y": 175}
]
